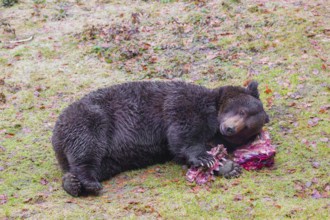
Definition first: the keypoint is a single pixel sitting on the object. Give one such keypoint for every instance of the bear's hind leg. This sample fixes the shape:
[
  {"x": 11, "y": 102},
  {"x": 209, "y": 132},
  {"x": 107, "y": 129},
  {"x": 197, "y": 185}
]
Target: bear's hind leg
[
  {"x": 87, "y": 176},
  {"x": 77, "y": 185},
  {"x": 71, "y": 184}
]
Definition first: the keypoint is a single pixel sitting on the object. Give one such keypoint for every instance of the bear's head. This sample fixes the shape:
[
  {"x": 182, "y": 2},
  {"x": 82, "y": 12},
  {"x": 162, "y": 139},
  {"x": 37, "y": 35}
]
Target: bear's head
[{"x": 241, "y": 114}]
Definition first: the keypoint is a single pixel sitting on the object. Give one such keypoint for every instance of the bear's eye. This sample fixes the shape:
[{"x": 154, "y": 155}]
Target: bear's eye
[{"x": 242, "y": 113}]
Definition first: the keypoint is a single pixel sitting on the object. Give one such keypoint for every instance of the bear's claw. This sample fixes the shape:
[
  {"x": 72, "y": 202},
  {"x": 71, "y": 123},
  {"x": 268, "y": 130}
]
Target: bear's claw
[
  {"x": 206, "y": 160},
  {"x": 71, "y": 184}
]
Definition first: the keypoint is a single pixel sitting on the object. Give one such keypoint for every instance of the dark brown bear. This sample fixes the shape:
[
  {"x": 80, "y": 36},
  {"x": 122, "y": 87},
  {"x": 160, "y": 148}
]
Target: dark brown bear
[{"x": 137, "y": 124}]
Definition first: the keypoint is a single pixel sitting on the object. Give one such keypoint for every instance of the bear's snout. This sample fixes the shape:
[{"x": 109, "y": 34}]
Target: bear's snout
[
  {"x": 230, "y": 130},
  {"x": 227, "y": 130},
  {"x": 231, "y": 125}
]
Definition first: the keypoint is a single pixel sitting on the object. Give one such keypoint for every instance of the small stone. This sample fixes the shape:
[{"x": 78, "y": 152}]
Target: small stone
[
  {"x": 325, "y": 140},
  {"x": 316, "y": 165},
  {"x": 316, "y": 194},
  {"x": 313, "y": 122},
  {"x": 3, "y": 199}
]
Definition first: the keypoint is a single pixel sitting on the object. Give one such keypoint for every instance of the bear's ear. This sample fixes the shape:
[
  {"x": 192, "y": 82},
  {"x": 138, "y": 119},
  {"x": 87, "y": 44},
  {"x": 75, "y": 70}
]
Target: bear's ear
[
  {"x": 253, "y": 89},
  {"x": 221, "y": 95}
]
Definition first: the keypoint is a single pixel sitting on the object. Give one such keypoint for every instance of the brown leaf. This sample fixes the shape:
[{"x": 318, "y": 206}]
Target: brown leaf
[
  {"x": 140, "y": 190},
  {"x": 326, "y": 31},
  {"x": 211, "y": 55},
  {"x": 270, "y": 101},
  {"x": 322, "y": 111},
  {"x": 145, "y": 46},
  {"x": 70, "y": 201},
  {"x": 135, "y": 18},
  {"x": 43, "y": 181},
  {"x": 313, "y": 122},
  {"x": 324, "y": 108},
  {"x": 144, "y": 67},
  {"x": 296, "y": 96},
  {"x": 3, "y": 199},
  {"x": 236, "y": 182},
  {"x": 315, "y": 180},
  {"x": 277, "y": 206},
  {"x": 9, "y": 135},
  {"x": 2, "y": 98},
  {"x": 186, "y": 68},
  {"x": 226, "y": 33},
  {"x": 268, "y": 90},
  {"x": 196, "y": 189},
  {"x": 238, "y": 198},
  {"x": 28, "y": 200},
  {"x": 188, "y": 28},
  {"x": 11, "y": 46},
  {"x": 292, "y": 104},
  {"x": 291, "y": 171},
  {"x": 153, "y": 59},
  {"x": 324, "y": 67},
  {"x": 175, "y": 180},
  {"x": 316, "y": 194},
  {"x": 325, "y": 195},
  {"x": 299, "y": 187}
]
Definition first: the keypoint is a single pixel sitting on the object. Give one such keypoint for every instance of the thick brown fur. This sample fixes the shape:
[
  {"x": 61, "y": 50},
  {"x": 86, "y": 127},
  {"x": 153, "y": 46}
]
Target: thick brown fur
[{"x": 137, "y": 124}]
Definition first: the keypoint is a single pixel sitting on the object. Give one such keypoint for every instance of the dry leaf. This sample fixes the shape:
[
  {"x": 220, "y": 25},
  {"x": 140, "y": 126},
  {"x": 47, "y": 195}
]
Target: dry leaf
[{"x": 268, "y": 90}]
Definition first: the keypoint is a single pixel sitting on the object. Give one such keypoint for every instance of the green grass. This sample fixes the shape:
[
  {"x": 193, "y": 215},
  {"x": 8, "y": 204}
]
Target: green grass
[{"x": 281, "y": 44}]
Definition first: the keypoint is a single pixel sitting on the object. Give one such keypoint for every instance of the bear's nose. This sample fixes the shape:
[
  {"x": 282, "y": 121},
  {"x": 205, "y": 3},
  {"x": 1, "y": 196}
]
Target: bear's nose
[{"x": 230, "y": 130}]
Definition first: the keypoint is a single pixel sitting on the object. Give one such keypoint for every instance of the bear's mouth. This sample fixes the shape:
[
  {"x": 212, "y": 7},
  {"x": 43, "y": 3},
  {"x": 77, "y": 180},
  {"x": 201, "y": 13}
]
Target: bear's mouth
[{"x": 227, "y": 131}]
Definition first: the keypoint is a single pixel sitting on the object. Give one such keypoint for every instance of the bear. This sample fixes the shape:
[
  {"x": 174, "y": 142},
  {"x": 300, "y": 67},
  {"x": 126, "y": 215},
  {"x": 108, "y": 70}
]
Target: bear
[
  {"x": 236, "y": 126},
  {"x": 137, "y": 124}
]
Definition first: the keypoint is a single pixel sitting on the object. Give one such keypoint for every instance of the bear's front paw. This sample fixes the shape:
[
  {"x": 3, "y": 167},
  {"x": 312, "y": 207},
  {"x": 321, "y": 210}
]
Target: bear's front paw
[
  {"x": 229, "y": 169},
  {"x": 203, "y": 160}
]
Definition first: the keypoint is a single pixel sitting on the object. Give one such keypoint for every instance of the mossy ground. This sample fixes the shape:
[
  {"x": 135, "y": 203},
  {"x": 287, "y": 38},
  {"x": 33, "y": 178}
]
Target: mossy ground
[{"x": 79, "y": 46}]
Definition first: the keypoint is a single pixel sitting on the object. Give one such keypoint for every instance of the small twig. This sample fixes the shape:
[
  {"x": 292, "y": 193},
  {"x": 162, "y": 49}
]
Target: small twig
[
  {"x": 176, "y": 21},
  {"x": 22, "y": 40}
]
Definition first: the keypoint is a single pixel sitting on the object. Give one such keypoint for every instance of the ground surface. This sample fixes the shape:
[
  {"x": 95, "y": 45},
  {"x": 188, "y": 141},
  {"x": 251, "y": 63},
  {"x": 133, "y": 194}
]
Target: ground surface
[{"x": 79, "y": 46}]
